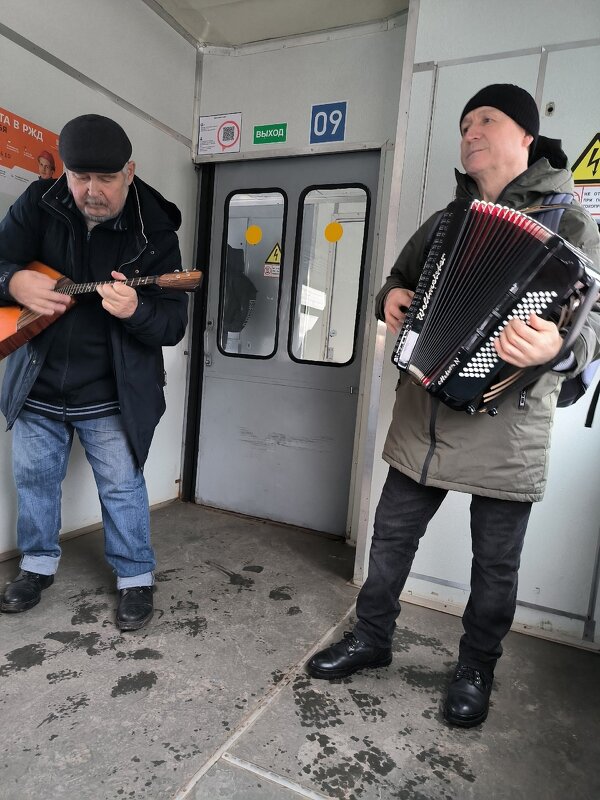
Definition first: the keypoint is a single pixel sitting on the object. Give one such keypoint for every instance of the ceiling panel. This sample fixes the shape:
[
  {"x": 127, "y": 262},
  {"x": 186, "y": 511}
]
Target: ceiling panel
[{"x": 236, "y": 22}]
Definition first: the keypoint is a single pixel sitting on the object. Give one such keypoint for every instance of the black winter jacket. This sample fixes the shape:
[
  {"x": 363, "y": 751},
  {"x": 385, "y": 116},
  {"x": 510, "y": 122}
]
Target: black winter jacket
[{"x": 42, "y": 225}]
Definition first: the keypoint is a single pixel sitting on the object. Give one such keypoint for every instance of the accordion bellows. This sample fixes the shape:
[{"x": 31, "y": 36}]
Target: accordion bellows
[{"x": 487, "y": 264}]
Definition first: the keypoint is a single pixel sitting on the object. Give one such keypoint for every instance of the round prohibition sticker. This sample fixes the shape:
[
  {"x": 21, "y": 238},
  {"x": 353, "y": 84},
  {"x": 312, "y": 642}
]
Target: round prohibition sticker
[{"x": 228, "y": 134}]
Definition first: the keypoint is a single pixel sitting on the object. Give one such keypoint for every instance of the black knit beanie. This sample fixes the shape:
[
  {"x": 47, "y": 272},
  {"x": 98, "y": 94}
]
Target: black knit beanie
[
  {"x": 92, "y": 143},
  {"x": 515, "y": 102}
]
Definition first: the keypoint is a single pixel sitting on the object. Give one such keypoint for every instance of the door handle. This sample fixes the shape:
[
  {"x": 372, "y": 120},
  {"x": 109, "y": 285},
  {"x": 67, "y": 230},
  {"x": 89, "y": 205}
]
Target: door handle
[{"x": 207, "y": 331}]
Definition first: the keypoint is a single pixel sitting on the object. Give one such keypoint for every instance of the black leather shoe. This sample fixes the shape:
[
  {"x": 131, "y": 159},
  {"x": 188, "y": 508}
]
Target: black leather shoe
[
  {"x": 136, "y": 607},
  {"x": 25, "y": 591},
  {"x": 346, "y": 657},
  {"x": 468, "y": 697}
]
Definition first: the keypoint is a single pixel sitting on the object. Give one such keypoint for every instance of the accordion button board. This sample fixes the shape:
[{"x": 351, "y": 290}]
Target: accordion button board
[{"x": 488, "y": 264}]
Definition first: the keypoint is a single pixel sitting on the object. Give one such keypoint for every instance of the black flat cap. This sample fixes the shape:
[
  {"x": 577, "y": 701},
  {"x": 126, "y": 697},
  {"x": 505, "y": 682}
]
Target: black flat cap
[{"x": 92, "y": 143}]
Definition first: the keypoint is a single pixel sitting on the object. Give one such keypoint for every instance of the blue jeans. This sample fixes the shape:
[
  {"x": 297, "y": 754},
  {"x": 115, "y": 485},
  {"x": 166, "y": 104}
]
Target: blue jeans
[
  {"x": 497, "y": 533},
  {"x": 41, "y": 449}
]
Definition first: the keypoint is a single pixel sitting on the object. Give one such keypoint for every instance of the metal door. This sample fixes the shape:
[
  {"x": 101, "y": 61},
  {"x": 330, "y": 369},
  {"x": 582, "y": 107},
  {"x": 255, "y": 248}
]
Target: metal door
[{"x": 290, "y": 256}]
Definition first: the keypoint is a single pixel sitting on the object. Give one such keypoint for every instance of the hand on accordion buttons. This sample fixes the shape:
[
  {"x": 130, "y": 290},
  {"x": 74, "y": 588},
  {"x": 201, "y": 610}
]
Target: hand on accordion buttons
[
  {"x": 395, "y": 307},
  {"x": 528, "y": 345}
]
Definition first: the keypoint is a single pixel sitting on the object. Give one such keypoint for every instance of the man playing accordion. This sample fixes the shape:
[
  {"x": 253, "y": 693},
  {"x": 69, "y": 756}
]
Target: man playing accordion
[{"x": 431, "y": 449}]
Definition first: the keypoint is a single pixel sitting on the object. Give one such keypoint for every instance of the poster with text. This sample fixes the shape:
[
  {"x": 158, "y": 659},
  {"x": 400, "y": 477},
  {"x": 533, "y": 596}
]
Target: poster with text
[{"x": 27, "y": 152}]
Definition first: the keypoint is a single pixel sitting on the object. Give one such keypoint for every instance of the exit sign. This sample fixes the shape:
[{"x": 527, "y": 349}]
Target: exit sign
[{"x": 270, "y": 134}]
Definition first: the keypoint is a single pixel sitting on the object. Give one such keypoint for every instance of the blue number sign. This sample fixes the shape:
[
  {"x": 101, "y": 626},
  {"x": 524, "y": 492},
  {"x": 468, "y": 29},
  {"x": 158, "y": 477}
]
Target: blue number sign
[{"x": 328, "y": 123}]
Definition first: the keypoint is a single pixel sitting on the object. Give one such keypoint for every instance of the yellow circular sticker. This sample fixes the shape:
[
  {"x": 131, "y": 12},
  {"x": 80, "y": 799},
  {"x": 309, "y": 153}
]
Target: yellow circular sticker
[
  {"x": 253, "y": 234},
  {"x": 333, "y": 232}
]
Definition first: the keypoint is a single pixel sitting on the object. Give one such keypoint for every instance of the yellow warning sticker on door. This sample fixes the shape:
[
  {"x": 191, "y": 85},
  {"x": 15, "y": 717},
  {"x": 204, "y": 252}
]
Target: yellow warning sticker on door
[
  {"x": 274, "y": 256},
  {"x": 586, "y": 168}
]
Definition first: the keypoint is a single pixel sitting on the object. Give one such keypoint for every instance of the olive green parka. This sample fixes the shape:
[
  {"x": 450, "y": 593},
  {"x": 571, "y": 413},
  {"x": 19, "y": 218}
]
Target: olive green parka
[{"x": 505, "y": 456}]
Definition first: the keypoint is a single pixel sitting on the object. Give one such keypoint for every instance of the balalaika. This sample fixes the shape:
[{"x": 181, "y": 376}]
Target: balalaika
[{"x": 486, "y": 265}]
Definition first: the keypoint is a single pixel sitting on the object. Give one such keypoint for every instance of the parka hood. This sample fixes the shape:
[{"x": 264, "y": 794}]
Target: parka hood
[{"x": 525, "y": 189}]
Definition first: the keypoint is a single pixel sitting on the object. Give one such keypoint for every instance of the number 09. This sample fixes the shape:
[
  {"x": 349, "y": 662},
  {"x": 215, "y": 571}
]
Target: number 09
[{"x": 322, "y": 120}]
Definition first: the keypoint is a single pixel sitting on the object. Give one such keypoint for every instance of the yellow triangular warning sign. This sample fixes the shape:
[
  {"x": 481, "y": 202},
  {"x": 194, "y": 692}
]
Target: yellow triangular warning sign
[
  {"x": 274, "y": 256},
  {"x": 587, "y": 167}
]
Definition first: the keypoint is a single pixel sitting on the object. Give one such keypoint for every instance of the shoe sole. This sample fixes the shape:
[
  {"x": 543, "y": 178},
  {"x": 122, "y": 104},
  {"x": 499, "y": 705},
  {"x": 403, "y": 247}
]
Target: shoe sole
[
  {"x": 315, "y": 672},
  {"x": 134, "y": 626},
  {"x": 10, "y": 608},
  {"x": 465, "y": 722}
]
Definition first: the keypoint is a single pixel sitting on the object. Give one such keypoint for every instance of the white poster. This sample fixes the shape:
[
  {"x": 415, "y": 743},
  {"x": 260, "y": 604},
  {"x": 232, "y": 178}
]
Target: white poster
[{"x": 220, "y": 133}]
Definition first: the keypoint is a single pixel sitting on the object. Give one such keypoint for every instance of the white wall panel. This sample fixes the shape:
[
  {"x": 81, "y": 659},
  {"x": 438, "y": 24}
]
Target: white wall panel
[
  {"x": 281, "y": 85},
  {"x": 455, "y": 29},
  {"x": 124, "y": 46}
]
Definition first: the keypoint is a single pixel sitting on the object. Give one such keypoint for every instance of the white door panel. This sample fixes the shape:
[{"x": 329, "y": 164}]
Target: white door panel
[{"x": 279, "y": 395}]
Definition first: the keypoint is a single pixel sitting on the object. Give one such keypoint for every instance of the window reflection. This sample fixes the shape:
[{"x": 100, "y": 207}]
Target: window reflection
[
  {"x": 251, "y": 274},
  {"x": 328, "y": 275}
]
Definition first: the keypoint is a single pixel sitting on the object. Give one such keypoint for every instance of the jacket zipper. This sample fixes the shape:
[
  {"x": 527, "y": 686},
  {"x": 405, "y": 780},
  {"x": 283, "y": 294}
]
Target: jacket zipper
[
  {"x": 434, "y": 409},
  {"x": 145, "y": 245}
]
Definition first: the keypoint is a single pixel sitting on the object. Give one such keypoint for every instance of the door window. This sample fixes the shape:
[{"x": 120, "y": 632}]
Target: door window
[
  {"x": 332, "y": 235},
  {"x": 252, "y": 261}
]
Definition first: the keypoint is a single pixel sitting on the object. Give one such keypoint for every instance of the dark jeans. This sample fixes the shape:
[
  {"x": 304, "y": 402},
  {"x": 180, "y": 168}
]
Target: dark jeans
[{"x": 497, "y": 532}]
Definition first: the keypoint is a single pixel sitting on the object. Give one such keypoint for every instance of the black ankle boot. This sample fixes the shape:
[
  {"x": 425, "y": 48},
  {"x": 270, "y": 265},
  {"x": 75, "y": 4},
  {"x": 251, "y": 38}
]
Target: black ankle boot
[
  {"x": 468, "y": 697},
  {"x": 136, "y": 607},
  {"x": 25, "y": 591},
  {"x": 347, "y": 656}
]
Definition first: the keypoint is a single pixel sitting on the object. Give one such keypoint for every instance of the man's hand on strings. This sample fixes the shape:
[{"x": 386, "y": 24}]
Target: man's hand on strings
[
  {"x": 395, "y": 307},
  {"x": 119, "y": 300},
  {"x": 527, "y": 345},
  {"x": 35, "y": 291}
]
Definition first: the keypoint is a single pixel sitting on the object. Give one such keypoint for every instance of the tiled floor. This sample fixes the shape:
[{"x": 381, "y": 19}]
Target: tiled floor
[{"x": 211, "y": 700}]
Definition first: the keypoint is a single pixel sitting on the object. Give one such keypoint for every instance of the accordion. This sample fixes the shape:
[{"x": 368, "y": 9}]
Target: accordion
[{"x": 487, "y": 264}]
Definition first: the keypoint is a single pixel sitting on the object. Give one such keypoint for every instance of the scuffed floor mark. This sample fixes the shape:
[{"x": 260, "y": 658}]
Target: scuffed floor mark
[
  {"x": 22, "y": 658},
  {"x": 424, "y": 678},
  {"x": 293, "y": 611},
  {"x": 369, "y": 706},
  {"x": 378, "y": 762},
  {"x": 86, "y": 611},
  {"x": 409, "y": 791},
  {"x": 234, "y": 578},
  {"x": 194, "y": 626},
  {"x": 277, "y": 675},
  {"x": 184, "y": 605},
  {"x": 62, "y": 675},
  {"x": 404, "y": 639},
  {"x": 281, "y": 593},
  {"x": 443, "y": 763},
  {"x": 182, "y": 752},
  {"x": 166, "y": 575},
  {"x": 138, "y": 655},
  {"x": 252, "y": 568},
  {"x": 342, "y": 773},
  {"x": 315, "y": 709},
  {"x": 74, "y": 640},
  {"x": 71, "y": 706},
  {"x": 127, "y": 684}
]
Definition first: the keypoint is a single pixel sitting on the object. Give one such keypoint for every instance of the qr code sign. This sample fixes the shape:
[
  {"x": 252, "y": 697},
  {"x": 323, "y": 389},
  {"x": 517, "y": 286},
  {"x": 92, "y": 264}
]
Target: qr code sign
[{"x": 228, "y": 133}]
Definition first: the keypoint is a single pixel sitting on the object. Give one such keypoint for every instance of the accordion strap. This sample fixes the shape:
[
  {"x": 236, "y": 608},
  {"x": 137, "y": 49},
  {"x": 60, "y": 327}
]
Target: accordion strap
[{"x": 537, "y": 209}]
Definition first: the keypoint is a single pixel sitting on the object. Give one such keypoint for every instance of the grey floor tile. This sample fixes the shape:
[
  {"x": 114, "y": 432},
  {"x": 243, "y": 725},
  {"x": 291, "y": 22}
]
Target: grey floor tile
[{"x": 97, "y": 714}]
